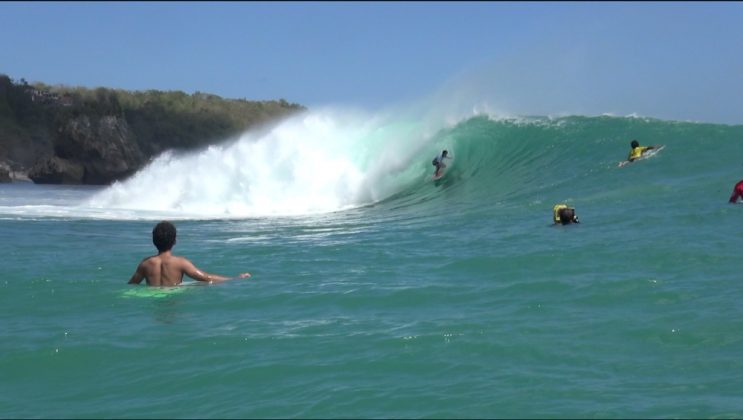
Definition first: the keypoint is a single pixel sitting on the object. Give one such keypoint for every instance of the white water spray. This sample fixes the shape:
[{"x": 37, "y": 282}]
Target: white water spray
[{"x": 316, "y": 162}]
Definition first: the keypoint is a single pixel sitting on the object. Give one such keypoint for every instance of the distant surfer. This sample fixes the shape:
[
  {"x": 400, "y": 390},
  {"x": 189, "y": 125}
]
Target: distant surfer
[
  {"x": 166, "y": 269},
  {"x": 737, "y": 192},
  {"x": 438, "y": 162},
  {"x": 562, "y": 214},
  {"x": 637, "y": 152}
]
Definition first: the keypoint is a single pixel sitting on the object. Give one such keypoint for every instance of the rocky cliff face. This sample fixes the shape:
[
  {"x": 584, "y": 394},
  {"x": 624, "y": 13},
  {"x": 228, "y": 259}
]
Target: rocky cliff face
[
  {"x": 90, "y": 151},
  {"x": 55, "y": 170},
  {"x": 58, "y": 134},
  {"x": 5, "y": 175}
]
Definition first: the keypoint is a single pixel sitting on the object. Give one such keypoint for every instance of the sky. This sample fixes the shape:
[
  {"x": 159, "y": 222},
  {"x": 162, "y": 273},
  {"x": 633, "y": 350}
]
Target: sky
[{"x": 668, "y": 60}]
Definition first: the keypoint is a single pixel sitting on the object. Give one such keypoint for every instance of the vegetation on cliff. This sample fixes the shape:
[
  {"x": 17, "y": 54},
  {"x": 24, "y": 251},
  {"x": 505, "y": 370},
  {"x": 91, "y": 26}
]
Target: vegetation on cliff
[{"x": 93, "y": 128}]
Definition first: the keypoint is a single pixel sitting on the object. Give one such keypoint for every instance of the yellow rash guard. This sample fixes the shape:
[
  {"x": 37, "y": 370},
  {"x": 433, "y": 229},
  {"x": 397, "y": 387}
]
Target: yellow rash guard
[
  {"x": 637, "y": 152},
  {"x": 556, "y": 211}
]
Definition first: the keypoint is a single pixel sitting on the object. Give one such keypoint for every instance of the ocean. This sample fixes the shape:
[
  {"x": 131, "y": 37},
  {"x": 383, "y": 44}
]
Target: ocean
[{"x": 379, "y": 293}]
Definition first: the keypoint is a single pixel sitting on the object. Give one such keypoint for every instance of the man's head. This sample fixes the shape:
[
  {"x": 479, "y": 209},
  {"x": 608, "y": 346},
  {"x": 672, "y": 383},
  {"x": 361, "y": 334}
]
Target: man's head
[
  {"x": 567, "y": 216},
  {"x": 635, "y": 143},
  {"x": 163, "y": 236},
  {"x": 444, "y": 153}
]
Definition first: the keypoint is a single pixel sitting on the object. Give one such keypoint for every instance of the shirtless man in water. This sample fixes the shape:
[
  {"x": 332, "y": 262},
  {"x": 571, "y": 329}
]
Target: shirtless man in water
[{"x": 166, "y": 269}]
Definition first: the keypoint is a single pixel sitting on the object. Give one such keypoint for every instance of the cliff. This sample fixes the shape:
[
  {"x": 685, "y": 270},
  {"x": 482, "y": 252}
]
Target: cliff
[{"x": 63, "y": 135}]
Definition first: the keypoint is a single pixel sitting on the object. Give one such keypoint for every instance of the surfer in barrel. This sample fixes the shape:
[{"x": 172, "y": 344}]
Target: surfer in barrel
[
  {"x": 438, "y": 162},
  {"x": 166, "y": 269}
]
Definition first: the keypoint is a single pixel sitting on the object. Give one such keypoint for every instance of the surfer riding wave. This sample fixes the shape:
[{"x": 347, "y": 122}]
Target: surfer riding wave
[{"x": 438, "y": 162}]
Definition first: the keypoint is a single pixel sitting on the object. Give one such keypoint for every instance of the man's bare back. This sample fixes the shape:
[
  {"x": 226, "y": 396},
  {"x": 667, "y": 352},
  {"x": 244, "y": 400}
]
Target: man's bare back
[{"x": 166, "y": 269}]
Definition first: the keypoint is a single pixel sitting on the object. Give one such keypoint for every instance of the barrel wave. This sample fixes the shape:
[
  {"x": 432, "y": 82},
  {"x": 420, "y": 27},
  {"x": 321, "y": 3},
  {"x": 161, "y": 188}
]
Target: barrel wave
[{"x": 328, "y": 161}]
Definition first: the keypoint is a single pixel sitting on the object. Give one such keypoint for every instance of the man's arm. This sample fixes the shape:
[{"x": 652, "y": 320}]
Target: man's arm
[
  {"x": 191, "y": 271},
  {"x": 138, "y": 275}
]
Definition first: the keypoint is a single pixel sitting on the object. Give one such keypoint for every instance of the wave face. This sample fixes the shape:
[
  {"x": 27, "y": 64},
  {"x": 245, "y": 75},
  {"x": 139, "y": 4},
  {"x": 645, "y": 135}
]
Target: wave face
[{"x": 514, "y": 162}]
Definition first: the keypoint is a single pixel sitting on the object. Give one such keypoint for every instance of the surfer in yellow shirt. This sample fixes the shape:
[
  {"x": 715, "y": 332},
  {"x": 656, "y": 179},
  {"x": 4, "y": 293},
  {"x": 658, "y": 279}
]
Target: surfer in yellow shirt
[{"x": 637, "y": 152}]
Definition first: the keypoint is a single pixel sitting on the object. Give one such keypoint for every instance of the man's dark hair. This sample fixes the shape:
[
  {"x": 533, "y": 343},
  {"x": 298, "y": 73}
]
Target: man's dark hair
[
  {"x": 163, "y": 236},
  {"x": 567, "y": 215},
  {"x": 634, "y": 144}
]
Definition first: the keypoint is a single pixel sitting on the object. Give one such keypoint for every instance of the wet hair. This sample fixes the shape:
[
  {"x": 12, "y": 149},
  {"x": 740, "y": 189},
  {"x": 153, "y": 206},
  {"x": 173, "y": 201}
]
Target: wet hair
[
  {"x": 635, "y": 143},
  {"x": 445, "y": 152},
  {"x": 163, "y": 236},
  {"x": 566, "y": 215}
]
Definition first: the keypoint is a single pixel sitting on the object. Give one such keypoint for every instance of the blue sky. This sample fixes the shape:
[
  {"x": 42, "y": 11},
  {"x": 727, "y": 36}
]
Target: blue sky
[{"x": 671, "y": 60}]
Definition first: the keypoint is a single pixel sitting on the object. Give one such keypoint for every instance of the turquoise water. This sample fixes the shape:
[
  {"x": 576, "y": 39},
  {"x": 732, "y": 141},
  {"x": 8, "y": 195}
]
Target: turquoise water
[{"x": 377, "y": 293}]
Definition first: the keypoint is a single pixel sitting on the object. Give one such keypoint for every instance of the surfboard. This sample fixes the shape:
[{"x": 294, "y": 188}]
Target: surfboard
[
  {"x": 442, "y": 172},
  {"x": 154, "y": 292},
  {"x": 652, "y": 152}
]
